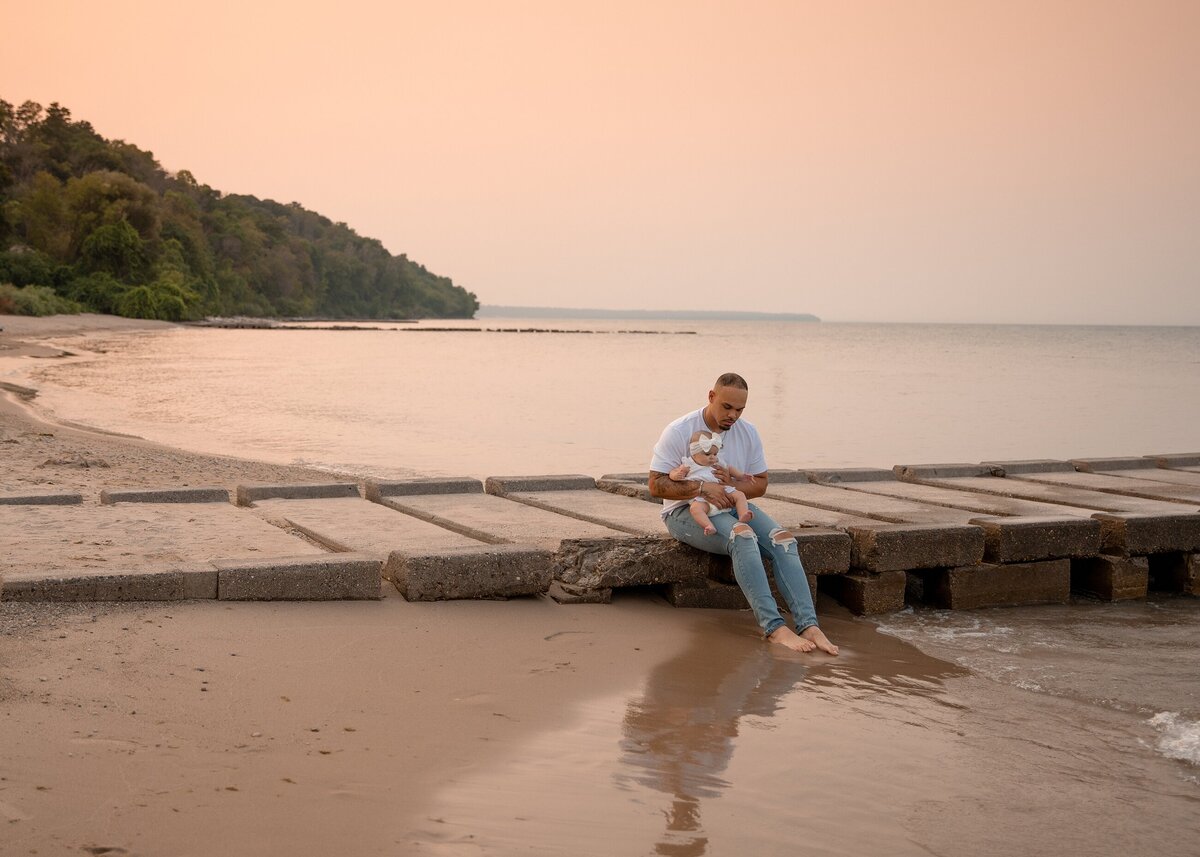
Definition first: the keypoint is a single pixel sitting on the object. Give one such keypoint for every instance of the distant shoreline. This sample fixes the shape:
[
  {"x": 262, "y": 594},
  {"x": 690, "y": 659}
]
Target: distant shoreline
[{"x": 500, "y": 311}]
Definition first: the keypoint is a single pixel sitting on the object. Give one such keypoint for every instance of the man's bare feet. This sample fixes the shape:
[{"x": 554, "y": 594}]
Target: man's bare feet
[
  {"x": 817, "y": 637},
  {"x": 785, "y": 636}
]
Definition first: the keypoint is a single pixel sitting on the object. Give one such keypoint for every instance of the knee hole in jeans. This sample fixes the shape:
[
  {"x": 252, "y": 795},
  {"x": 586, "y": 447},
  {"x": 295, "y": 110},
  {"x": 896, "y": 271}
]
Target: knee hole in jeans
[
  {"x": 782, "y": 537},
  {"x": 741, "y": 531}
]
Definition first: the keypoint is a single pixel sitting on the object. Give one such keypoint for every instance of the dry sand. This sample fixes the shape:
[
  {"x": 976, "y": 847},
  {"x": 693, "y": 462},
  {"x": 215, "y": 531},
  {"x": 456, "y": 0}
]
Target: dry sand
[{"x": 390, "y": 728}]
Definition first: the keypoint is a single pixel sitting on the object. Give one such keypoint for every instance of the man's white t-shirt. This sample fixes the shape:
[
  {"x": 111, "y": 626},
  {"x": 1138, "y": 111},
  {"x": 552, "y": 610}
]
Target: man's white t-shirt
[{"x": 741, "y": 448}]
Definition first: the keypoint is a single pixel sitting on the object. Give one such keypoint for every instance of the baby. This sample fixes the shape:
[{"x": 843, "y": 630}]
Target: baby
[{"x": 703, "y": 449}]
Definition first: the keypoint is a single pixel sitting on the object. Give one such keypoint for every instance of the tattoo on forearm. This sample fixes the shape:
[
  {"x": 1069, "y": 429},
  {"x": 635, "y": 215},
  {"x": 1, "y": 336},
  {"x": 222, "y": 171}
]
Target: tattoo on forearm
[{"x": 663, "y": 486}]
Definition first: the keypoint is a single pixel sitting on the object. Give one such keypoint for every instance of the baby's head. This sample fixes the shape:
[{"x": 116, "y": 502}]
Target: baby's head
[{"x": 704, "y": 447}]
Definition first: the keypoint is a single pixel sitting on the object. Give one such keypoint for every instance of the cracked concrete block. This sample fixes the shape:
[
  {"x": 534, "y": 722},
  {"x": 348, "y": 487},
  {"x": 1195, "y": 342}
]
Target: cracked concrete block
[
  {"x": 1000, "y": 584},
  {"x": 55, "y": 498},
  {"x": 485, "y": 571},
  {"x": 1029, "y": 538},
  {"x": 1176, "y": 572},
  {"x": 329, "y": 577},
  {"x": 165, "y": 495},
  {"x": 897, "y": 547},
  {"x": 867, "y": 593},
  {"x": 149, "y": 585},
  {"x": 607, "y": 563},
  {"x": 565, "y": 593},
  {"x": 1142, "y": 533},
  {"x": 1111, "y": 578},
  {"x": 376, "y": 489},
  {"x": 501, "y": 485},
  {"x": 822, "y": 551},
  {"x": 247, "y": 494}
]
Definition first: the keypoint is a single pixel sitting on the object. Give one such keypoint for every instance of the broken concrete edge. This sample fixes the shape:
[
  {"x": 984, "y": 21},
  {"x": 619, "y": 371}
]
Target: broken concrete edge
[
  {"x": 248, "y": 494},
  {"x": 916, "y": 472},
  {"x": 321, "y": 577},
  {"x": 164, "y": 495},
  {"x": 377, "y": 489},
  {"x": 626, "y": 477},
  {"x": 56, "y": 499},
  {"x": 1099, "y": 465},
  {"x": 850, "y": 474},
  {"x": 565, "y": 593},
  {"x": 1030, "y": 465},
  {"x": 501, "y": 485},
  {"x": 483, "y": 572},
  {"x": 1176, "y": 459},
  {"x": 637, "y": 490}
]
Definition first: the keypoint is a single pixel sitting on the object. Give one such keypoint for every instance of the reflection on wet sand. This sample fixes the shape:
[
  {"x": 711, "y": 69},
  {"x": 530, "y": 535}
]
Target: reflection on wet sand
[{"x": 680, "y": 735}]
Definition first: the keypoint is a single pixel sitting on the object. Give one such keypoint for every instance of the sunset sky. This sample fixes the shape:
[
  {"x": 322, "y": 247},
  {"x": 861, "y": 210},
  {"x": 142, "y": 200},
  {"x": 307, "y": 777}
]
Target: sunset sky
[{"x": 944, "y": 160}]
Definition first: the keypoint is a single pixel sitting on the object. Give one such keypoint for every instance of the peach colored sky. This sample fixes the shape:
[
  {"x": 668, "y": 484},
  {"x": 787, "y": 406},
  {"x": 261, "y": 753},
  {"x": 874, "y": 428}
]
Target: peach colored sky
[{"x": 877, "y": 161}]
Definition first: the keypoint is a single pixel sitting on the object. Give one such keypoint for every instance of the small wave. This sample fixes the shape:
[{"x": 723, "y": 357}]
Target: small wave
[{"x": 1177, "y": 738}]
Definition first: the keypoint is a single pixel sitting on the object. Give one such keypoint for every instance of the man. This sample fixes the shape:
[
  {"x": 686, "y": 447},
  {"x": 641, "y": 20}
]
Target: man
[{"x": 745, "y": 543}]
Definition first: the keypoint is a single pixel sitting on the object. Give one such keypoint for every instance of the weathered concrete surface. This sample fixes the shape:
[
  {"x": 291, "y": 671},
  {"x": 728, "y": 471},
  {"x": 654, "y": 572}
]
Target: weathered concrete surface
[
  {"x": 841, "y": 475},
  {"x": 705, "y": 594},
  {"x": 164, "y": 495},
  {"x": 564, "y": 593},
  {"x": 1000, "y": 585},
  {"x": 1029, "y": 465},
  {"x": 986, "y": 504},
  {"x": 598, "y": 507},
  {"x": 329, "y": 577},
  {"x": 130, "y": 585},
  {"x": 1176, "y": 459},
  {"x": 501, "y": 485},
  {"x": 610, "y": 563},
  {"x": 496, "y": 520},
  {"x": 41, "y": 498},
  {"x": 1100, "y": 465},
  {"x": 1024, "y": 489},
  {"x": 922, "y": 472},
  {"x": 1026, "y": 539},
  {"x": 94, "y": 539},
  {"x": 484, "y": 571},
  {"x": 892, "y": 510},
  {"x": 1158, "y": 474},
  {"x": 353, "y": 524},
  {"x": 867, "y": 593},
  {"x": 376, "y": 489},
  {"x": 1111, "y": 578},
  {"x": 896, "y": 547},
  {"x": 1136, "y": 534},
  {"x": 248, "y": 494},
  {"x": 1120, "y": 485},
  {"x": 1176, "y": 572},
  {"x": 627, "y": 488}
]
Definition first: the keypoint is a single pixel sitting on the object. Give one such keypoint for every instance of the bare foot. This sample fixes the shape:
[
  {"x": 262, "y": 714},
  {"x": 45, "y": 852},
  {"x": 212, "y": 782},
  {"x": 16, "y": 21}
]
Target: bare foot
[
  {"x": 710, "y": 530},
  {"x": 785, "y": 636},
  {"x": 745, "y": 516},
  {"x": 817, "y": 637}
]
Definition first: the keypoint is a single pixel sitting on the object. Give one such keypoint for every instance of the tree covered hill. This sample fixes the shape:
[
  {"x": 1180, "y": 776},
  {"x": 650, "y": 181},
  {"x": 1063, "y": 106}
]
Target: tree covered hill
[{"x": 98, "y": 224}]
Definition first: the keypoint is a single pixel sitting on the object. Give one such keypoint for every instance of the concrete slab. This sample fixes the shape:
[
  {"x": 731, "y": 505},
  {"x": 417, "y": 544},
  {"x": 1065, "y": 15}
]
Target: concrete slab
[
  {"x": 1042, "y": 492},
  {"x": 868, "y": 594},
  {"x": 1099, "y": 465},
  {"x": 921, "y": 472},
  {"x": 707, "y": 594},
  {"x": 131, "y": 585},
  {"x": 985, "y": 504},
  {"x": 850, "y": 474},
  {"x": 603, "y": 508},
  {"x": 627, "y": 488},
  {"x": 495, "y": 520},
  {"x": 483, "y": 571},
  {"x": 502, "y": 485},
  {"x": 1176, "y": 459},
  {"x": 1027, "y": 539},
  {"x": 1029, "y": 465},
  {"x": 1138, "y": 534},
  {"x": 376, "y": 489},
  {"x": 610, "y": 563},
  {"x": 129, "y": 537},
  {"x": 898, "y": 547},
  {"x": 41, "y": 498},
  {"x": 1000, "y": 585},
  {"x": 329, "y": 577},
  {"x": 1121, "y": 485},
  {"x": 893, "y": 510},
  {"x": 1158, "y": 474},
  {"x": 354, "y": 524},
  {"x": 249, "y": 494},
  {"x": 164, "y": 495},
  {"x": 1111, "y": 578}
]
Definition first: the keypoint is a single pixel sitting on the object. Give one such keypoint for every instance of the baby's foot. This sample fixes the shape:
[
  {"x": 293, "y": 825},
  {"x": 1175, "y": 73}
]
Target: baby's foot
[
  {"x": 710, "y": 530},
  {"x": 745, "y": 516}
]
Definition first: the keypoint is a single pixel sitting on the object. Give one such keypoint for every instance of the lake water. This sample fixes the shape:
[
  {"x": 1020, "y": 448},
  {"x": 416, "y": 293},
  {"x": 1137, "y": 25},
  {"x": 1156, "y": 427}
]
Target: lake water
[
  {"x": 407, "y": 401},
  {"x": 1067, "y": 729}
]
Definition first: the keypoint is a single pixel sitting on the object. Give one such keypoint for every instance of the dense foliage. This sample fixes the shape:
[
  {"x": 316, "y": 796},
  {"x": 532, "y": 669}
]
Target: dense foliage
[{"x": 99, "y": 224}]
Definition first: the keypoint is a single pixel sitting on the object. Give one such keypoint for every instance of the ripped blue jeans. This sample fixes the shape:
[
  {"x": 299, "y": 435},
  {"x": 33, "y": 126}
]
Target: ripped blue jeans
[{"x": 747, "y": 553}]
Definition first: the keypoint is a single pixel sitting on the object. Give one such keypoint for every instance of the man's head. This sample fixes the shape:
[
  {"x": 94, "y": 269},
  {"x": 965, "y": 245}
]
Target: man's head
[{"x": 726, "y": 401}]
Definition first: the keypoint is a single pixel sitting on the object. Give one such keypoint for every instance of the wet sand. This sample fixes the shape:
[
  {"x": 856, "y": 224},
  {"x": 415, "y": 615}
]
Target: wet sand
[{"x": 520, "y": 726}]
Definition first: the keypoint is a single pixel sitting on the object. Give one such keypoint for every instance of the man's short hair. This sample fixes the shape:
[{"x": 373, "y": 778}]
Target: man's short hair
[{"x": 732, "y": 379}]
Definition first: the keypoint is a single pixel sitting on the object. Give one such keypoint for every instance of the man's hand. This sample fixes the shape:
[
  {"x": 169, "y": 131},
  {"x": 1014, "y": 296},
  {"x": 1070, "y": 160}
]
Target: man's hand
[{"x": 715, "y": 494}]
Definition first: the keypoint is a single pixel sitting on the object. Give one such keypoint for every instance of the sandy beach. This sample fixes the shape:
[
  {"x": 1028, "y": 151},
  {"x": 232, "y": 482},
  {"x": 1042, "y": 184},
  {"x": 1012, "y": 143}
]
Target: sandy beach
[{"x": 521, "y": 726}]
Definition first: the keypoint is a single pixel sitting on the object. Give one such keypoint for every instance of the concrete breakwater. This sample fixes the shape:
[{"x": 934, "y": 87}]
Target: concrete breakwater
[{"x": 948, "y": 535}]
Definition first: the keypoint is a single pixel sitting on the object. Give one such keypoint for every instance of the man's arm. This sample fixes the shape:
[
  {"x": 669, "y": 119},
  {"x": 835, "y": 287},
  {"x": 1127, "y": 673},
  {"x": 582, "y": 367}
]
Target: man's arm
[{"x": 664, "y": 487}]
